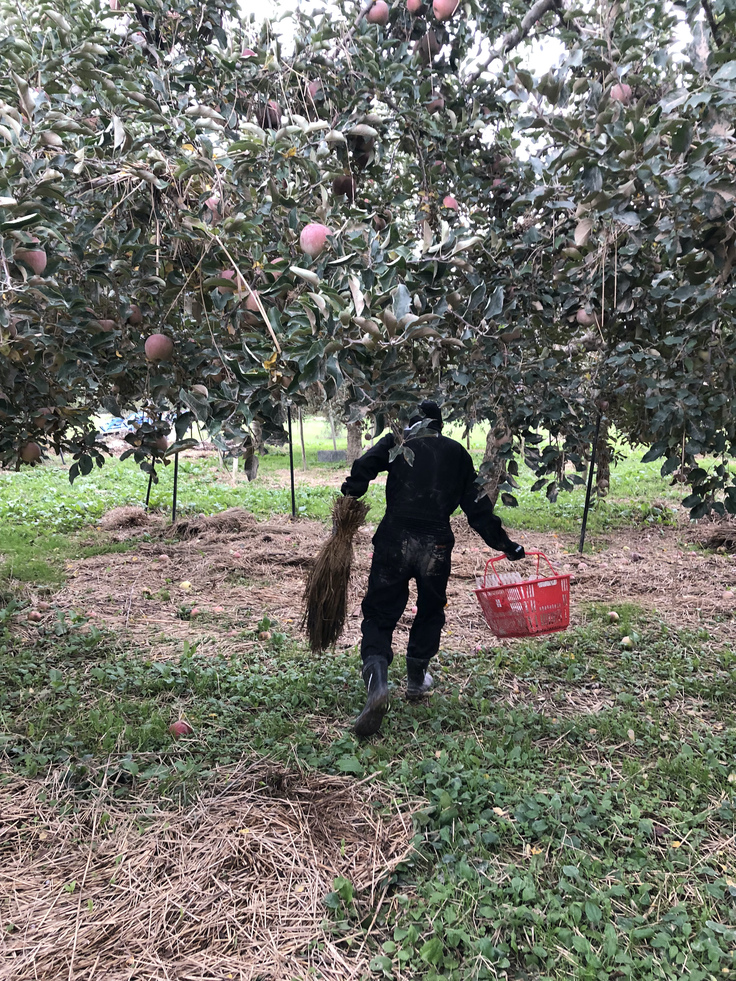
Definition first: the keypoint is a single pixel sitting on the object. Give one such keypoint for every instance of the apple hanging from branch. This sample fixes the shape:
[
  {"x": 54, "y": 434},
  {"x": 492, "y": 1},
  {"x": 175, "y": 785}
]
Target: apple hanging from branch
[
  {"x": 35, "y": 259},
  {"x": 379, "y": 13},
  {"x": 444, "y": 9},
  {"x": 159, "y": 347},
  {"x": 313, "y": 238},
  {"x": 30, "y": 453}
]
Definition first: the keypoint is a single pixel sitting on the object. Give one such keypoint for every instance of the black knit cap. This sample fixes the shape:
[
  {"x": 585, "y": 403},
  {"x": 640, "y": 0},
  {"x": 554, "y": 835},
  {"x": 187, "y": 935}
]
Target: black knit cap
[{"x": 431, "y": 410}]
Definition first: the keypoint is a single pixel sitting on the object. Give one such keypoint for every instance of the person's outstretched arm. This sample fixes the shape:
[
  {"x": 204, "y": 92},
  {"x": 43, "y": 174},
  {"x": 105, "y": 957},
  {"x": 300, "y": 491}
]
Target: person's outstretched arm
[
  {"x": 482, "y": 519},
  {"x": 367, "y": 467}
]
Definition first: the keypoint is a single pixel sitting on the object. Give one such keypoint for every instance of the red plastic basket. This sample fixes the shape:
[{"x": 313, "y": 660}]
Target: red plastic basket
[{"x": 534, "y": 606}]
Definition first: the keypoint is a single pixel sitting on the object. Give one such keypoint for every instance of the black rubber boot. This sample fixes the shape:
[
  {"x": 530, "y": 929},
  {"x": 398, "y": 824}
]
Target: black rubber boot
[
  {"x": 418, "y": 679},
  {"x": 375, "y": 676}
]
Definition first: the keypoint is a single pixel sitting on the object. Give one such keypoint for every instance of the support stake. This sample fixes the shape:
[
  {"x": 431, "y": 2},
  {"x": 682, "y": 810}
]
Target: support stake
[
  {"x": 150, "y": 482},
  {"x": 176, "y": 486},
  {"x": 332, "y": 427},
  {"x": 589, "y": 491},
  {"x": 291, "y": 464},
  {"x": 301, "y": 437}
]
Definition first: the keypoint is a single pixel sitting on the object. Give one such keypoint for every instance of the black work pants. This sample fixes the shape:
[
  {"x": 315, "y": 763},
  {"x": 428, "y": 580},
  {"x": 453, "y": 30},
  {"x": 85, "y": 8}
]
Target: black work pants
[{"x": 399, "y": 556}]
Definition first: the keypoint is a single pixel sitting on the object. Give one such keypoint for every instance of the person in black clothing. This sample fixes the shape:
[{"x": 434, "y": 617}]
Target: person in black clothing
[{"x": 414, "y": 541}]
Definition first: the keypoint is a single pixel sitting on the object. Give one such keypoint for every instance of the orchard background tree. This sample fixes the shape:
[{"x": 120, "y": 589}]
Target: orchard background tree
[{"x": 531, "y": 248}]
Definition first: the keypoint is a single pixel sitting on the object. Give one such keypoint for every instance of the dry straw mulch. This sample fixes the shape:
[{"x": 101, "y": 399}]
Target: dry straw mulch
[
  {"x": 254, "y": 568},
  {"x": 328, "y": 580},
  {"x": 233, "y": 521},
  {"x": 233, "y": 887}
]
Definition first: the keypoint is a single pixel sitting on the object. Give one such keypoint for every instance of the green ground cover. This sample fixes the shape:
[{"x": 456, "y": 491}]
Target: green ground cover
[{"x": 550, "y": 846}]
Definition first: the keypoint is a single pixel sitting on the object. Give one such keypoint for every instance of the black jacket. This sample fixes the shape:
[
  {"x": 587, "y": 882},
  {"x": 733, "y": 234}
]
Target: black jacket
[{"x": 422, "y": 496}]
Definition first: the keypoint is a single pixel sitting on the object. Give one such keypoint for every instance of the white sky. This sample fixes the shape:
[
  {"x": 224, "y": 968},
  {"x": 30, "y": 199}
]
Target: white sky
[{"x": 545, "y": 53}]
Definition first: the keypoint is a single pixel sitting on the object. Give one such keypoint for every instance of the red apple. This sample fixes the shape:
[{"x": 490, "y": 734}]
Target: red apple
[
  {"x": 436, "y": 104},
  {"x": 448, "y": 201},
  {"x": 313, "y": 238},
  {"x": 252, "y": 303},
  {"x": 444, "y": 9},
  {"x": 180, "y": 728},
  {"x": 161, "y": 444},
  {"x": 135, "y": 317},
  {"x": 621, "y": 92},
  {"x": 35, "y": 259},
  {"x": 35, "y": 617},
  {"x": 344, "y": 185},
  {"x": 30, "y": 453},
  {"x": 314, "y": 88},
  {"x": 159, "y": 347},
  {"x": 378, "y": 14},
  {"x": 231, "y": 274},
  {"x": 414, "y": 6},
  {"x": 248, "y": 53},
  {"x": 269, "y": 116},
  {"x": 427, "y": 47},
  {"x": 585, "y": 318},
  {"x": 106, "y": 326},
  {"x": 213, "y": 203}
]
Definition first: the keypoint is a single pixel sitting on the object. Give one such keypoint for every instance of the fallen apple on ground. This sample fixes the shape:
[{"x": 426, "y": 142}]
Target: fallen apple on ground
[{"x": 180, "y": 728}]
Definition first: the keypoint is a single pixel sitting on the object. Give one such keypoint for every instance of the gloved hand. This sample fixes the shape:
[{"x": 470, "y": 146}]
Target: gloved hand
[{"x": 514, "y": 551}]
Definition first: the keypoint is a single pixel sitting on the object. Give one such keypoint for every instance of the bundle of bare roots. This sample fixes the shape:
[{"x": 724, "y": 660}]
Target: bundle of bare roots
[{"x": 326, "y": 589}]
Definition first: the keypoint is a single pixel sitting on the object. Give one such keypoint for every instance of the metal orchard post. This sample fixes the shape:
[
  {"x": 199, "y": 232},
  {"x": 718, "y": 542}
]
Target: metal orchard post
[
  {"x": 150, "y": 482},
  {"x": 589, "y": 491},
  {"x": 291, "y": 463},
  {"x": 176, "y": 486}
]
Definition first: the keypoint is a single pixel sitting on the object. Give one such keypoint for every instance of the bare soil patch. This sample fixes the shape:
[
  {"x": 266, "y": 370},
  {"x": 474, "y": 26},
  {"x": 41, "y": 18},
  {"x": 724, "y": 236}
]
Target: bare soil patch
[{"x": 231, "y": 887}]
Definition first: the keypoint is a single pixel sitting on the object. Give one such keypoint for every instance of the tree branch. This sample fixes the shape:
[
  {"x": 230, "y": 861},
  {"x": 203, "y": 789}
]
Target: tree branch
[
  {"x": 569, "y": 25},
  {"x": 515, "y": 36},
  {"x": 363, "y": 11},
  {"x": 705, "y": 4}
]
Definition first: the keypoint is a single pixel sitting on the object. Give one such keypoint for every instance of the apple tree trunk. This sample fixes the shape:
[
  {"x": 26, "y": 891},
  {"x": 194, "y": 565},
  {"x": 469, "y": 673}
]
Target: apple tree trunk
[
  {"x": 603, "y": 461},
  {"x": 355, "y": 445},
  {"x": 497, "y": 436}
]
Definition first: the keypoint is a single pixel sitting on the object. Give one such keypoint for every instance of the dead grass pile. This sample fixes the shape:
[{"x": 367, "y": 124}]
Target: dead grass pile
[
  {"x": 717, "y": 532},
  {"x": 326, "y": 588},
  {"x": 125, "y": 518},
  {"x": 232, "y": 887},
  {"x": 229, "y": 522}
]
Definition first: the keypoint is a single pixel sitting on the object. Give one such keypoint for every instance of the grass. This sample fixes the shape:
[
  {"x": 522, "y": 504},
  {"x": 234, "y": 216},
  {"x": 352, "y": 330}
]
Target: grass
[
  {"x": 552, "y": 845},
  {"x": 44, "y": 495}
]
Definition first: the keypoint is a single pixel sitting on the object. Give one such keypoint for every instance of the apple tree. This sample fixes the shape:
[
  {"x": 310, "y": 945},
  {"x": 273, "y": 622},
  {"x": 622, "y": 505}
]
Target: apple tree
[{"x": 379, "y": 211}]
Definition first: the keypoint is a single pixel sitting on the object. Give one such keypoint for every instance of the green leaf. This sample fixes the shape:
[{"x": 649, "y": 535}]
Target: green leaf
[
  {"x": 432, "y": 953},
  {"x": 350, "y": 764},
  {"x": 592, "y": 912}
]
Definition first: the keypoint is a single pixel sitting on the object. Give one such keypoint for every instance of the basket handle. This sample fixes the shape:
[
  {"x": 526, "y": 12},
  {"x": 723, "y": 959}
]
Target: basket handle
[{"x": 500, "y": 558}]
